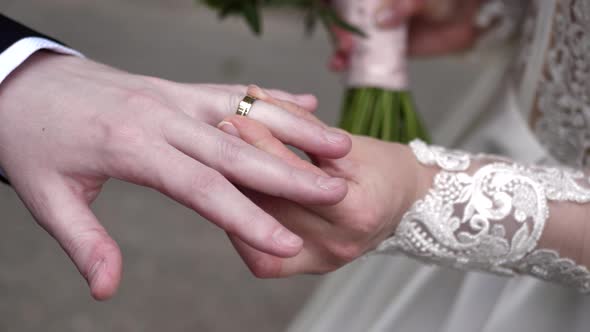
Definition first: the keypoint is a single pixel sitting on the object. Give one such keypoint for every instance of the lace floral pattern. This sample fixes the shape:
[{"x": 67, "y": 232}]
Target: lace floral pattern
[
  {"x": 563, "y": 97},
  {"x": 491, "y": 219}
]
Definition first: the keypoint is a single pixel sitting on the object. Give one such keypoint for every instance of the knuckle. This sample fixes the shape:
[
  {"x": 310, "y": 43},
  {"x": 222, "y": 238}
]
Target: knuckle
[
  {"x": 156, "y": 81},
  {"x": 344, "y": 252},
  {"x": 121, "y": 142},
  {"x": 230, "y": 151},
  {"x": 206, "y": 183},
  {"x": 123, "y": 134},
  {"x": 143, "y": 99},
  {"x": 263, "y": 268},
  {"x": 366, "y": 223},
  {"x": 90, "y": 246}
]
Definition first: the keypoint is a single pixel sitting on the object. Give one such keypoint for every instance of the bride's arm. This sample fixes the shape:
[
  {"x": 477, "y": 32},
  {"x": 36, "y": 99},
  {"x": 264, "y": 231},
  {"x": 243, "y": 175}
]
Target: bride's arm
[
  {"x": 492, "y": 214},
  {"x": 473, "y": 212}
]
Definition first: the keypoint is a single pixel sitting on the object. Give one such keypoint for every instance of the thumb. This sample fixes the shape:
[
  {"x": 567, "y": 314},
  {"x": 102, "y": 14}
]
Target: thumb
[
  {"x": 392, "y": 13},
  {"x": 68, "y": 218}
]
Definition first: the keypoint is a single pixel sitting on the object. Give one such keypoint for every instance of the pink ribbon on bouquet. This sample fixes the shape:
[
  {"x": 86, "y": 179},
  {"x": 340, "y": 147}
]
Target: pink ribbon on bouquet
[{"x": 380, "y": 59}]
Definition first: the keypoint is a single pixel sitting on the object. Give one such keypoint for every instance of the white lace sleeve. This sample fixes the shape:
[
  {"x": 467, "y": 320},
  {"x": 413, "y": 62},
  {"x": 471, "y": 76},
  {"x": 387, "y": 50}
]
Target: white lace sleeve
[{"x": 491, "y": 214}]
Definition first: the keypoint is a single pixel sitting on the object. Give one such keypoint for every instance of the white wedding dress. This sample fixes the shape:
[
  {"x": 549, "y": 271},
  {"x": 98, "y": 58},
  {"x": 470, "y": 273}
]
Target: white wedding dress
[{"x": 539, "y": 112}]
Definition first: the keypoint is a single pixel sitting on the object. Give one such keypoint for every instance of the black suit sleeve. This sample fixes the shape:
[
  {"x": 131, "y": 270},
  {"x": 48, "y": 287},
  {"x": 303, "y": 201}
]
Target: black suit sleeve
[{"x": 12, "y": 31}]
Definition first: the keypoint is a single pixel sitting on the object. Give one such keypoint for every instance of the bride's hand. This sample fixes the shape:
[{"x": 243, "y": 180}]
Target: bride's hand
[
  {"x": 384, "y": 179},
  {"x": 437, "y": 27}
]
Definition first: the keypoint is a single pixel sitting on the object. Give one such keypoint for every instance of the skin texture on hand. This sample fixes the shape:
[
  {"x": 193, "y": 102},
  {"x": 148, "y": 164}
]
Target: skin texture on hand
[
  {"x": 436, "y": 27},
  {"x": 70, "y": 124},
  {"x": 384, "y": 179}
]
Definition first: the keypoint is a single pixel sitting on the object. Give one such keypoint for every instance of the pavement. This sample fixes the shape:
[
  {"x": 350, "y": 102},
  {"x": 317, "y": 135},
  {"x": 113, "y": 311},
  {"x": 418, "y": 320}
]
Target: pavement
[{"x": 180, "y": 273}]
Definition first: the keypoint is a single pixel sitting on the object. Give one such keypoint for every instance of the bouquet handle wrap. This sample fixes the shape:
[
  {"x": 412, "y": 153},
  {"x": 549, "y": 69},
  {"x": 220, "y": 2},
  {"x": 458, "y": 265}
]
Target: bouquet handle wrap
[
  {"x": 380, "y": 59},
  {"x": 377, "y": 101}
]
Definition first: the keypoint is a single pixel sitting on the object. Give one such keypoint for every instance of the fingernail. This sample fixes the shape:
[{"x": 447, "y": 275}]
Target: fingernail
[
  {"x": 305, "y": 97},
  {"x": 286, "y": 238},
  {"x": 228, "y": 128},
  {"x": 386, "y": 17},
  {"x": 95, "y": 271},
  {"x": 335, "y": 137},
  {"x": 330, "y": 183},
  {"x": 257, "y": 91}
]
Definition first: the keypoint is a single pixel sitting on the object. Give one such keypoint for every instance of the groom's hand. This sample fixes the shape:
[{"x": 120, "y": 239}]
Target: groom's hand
[{"x": 70, "y": 124}]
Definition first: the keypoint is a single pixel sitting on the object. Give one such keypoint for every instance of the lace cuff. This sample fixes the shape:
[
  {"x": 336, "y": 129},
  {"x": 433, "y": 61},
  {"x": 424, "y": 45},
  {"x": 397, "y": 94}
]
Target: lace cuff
[{"x": 488, "y": 213}]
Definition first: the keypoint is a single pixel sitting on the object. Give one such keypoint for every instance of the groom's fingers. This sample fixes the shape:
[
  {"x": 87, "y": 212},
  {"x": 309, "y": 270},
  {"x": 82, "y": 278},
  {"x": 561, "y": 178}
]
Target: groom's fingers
[
  {"x": 208, "y": 193},
  {"x": 250, "y": 167},
  {"x": 67, "y": 217}
]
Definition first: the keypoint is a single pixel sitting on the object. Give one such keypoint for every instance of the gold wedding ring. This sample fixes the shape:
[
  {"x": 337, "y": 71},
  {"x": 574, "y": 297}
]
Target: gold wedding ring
[{"x": 245, "y": 105}]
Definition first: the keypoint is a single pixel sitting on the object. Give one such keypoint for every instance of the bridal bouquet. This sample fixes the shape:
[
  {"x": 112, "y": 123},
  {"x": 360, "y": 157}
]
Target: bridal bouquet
[{"x": 377, "y": 102}]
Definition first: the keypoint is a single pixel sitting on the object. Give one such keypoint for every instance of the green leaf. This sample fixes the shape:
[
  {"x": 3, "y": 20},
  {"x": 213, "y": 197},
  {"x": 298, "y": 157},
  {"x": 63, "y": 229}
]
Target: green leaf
[
  {"x": 250, "y": 11},
  {"x": 311, "y": 20},
  {"x": 252, "y": 17}
]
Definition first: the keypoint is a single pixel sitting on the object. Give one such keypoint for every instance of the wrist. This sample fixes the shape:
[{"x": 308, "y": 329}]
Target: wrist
[
  {"x": 416, "y": 181},
  {"x": 19, "y": 94}
]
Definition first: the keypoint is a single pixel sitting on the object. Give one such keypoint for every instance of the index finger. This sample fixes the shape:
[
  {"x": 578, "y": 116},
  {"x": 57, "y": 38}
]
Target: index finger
[{"x": 296, "y": 127}]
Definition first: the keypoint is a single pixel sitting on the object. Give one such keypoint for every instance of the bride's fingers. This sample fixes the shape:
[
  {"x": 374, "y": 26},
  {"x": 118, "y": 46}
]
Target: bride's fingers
[
  {"x": 212, "y": 105},
  {"x": 457, "y": 30},
  {"x": 343, "y": 48},
  {"x": 307, "y": 101},
  {"x": 256, "y": 134},
  {"x": 319, "y": 241},
  {"x": 308, "y": 260},
  {"x": 285, "y": 104},
  {"x": 293, "y": 125},
  {"x": 265, "y": 266},
  {"x": 392, "y": 13},
  {"x": 303, "y": 133}
]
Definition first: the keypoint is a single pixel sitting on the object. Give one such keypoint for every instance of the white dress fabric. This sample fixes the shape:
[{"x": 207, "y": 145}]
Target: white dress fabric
[{"x": 544, "y": 105}]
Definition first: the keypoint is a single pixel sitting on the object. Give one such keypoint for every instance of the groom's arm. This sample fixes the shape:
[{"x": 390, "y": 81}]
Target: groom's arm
[{"x": 18, "y": 43}]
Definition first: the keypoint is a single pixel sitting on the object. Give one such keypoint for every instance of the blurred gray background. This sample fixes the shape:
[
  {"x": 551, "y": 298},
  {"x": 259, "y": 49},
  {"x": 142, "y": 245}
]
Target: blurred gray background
[{"x": 180, "y": 272}]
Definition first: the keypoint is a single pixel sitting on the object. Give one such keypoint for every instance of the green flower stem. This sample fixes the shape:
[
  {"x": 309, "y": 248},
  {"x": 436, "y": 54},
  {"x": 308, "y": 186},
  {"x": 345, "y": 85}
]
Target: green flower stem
[
  {"x": 387, "y": 132},
  {"x": 376, "y": 121},
  {"x": 383, "y": 114}
]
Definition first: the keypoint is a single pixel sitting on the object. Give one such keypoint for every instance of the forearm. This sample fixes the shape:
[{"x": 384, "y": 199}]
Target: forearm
[{"x": 488, "y": 213}]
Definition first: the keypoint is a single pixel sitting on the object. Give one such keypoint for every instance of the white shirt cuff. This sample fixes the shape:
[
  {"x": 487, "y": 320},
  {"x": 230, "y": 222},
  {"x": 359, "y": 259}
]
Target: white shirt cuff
[{"x": 20, "y": 51}]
